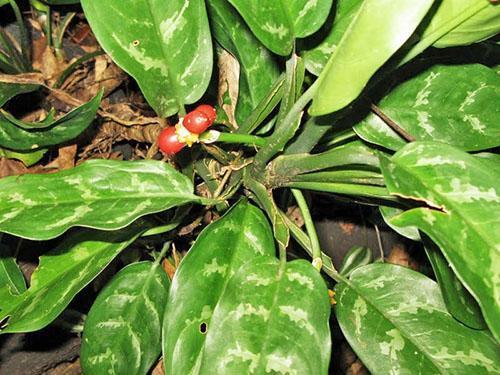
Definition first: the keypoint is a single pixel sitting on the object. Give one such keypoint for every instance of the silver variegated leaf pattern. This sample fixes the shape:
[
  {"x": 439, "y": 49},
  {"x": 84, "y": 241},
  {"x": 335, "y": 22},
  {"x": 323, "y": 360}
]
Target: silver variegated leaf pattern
[
  {"x": 61, "y": 274},
  {"x": 165, "y": 45},
  {"x": 454, "y": 104},
  {"x": 122, "y": 333},
  {"x": 278, "y": 23},
  {"x": 271, "y": 318},
  {"x": 462, "y": 194},
  {"x": 396, "y": 321},
  {"x": 219, "y": 251},
  {"x": 101, "y": 194}
]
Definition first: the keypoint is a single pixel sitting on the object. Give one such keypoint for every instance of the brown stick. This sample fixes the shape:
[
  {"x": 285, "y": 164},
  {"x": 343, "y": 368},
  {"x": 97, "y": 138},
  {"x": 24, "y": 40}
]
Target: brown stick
[{"x": 394, "y": 126}]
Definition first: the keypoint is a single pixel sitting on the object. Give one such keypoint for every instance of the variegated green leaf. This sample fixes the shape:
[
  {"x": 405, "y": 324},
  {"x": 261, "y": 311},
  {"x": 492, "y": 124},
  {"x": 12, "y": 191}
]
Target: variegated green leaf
[
  {"x": 219, "y": 251},
  {"x": 454, "y": 104},
  {"x": 61, "y": 274},
  {"x": 459, "y": 302},
  {"x": 482, "y": 25},
  {"x": 396, "y": 321},
  {"x": 316, "y": 58},
  {"x": 122, "y": 333},
  {"x": 66, "y": 128},
  {"x": 463, "y": 200},
  {"x": 165, "y": 45},
  {"x": 101, "y": 194},
  {"x": 386, "y": 24},
  {"x": 258, "y": 70},
  {"x": 448, "y": 19},
  {"x": 278, "y": 23},
  {"x": 271, "y": 318}
]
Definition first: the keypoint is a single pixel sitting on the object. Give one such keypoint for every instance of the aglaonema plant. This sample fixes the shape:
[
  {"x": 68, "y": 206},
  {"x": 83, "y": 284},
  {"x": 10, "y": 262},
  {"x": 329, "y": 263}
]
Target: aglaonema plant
[{"x": 361, "y": 99}]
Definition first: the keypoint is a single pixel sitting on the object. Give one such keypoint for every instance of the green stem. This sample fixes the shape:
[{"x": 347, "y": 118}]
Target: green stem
[
  {"x": 305, "y": 242},
  {"x": 311, "y": 230},
  {"x": 283, "y": 134},
  {"x": 249, "y": 140},
  {"x": 264, "y": 108},
  {"x": 164, "y": 249},
  {"x": 368, "y": 191},
  {"x": 285, "y": 167},
  {"x": 266, "y": 202}
]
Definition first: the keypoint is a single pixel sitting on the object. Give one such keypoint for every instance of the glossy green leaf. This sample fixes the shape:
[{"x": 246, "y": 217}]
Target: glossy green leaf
[
  {"x": 386, "y": 24},
  {"x": 484, "y": 24},
  {"x": 448, "y": 19},
  {"x": 454, "y": 104},
  {"x": 101, "y": 194},
  {"x": 219, "y": 251},
  {"x": 278, "y": 23},
  {"x": 388, "y": 213},
  {"x": 47, "y": 122},
  {"x": 316, "y": 58},
  {"x": 271, "y": 318},
  {"x": 61, "y": 130},
  {"x": 28, "y": 158},
  {"x": 3, "y": 2},
  {"x": 356, "y": 257},
  {"x": 396, "y": 322},
  {"x": 165, "y": 45},
  {"x": 459, "y": 302},
  {"x": 122, "y": 333},
  {"x": 461, "y": 217},
  {"x": 11, "y": 278},
  {"x": 61, "y": 274},
  {"x": 8, "y": 90},
  {"x": 258, "y": 70}
]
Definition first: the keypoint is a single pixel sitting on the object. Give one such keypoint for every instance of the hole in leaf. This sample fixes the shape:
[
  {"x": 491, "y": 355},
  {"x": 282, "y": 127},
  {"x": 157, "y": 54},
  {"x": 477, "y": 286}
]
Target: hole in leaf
[{"x": 203, "y": 328}]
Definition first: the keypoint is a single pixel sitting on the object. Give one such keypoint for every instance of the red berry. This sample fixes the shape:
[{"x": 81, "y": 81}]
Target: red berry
[
  {"x": 168, "y": 142},
  {"x": 208, "y": 111},
  {"x": 196, "y": 122}
]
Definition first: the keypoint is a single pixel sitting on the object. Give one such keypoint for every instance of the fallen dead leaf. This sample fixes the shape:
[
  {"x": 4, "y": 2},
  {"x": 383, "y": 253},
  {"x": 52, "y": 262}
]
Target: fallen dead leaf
[{"x": 229, "y": 76}]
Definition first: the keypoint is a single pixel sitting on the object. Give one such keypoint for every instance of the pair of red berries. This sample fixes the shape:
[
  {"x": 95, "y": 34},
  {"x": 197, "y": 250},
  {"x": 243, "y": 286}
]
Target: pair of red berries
[{"x": 195, "y": 122}]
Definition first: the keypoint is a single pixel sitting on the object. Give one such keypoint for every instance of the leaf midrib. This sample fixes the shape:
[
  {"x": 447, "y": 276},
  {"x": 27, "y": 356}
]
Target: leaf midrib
[
  {"x": 78, "y": 202},
  {"x": 165, "y": 53}
]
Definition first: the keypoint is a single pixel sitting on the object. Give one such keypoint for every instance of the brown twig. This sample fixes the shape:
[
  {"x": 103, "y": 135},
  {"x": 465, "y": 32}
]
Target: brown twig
[{"x": 394, "y": 126}]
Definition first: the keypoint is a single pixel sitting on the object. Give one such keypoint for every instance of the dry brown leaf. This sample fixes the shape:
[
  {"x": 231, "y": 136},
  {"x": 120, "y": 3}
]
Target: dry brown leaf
[
  {"x": 159, "y": 369},
  {"x": 11, "y": 167},
  {"x": 65, "y": 159},
  {"x": 229, "y": 76},
  {"x": 400, "y": 256},
  {"x": 24, "y": 78},
  {"x": 169, "y": 268}
]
